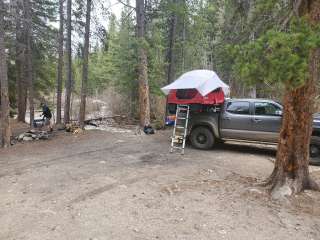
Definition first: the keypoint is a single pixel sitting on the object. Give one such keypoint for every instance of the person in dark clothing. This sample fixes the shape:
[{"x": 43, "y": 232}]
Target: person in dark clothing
[
  {"x": 46, "y": 113},
  {"x": 47, "y": 116}
]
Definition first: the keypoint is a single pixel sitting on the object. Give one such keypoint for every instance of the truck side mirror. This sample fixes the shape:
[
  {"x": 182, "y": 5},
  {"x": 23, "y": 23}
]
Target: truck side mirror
[{"x": 279, "y": 113}]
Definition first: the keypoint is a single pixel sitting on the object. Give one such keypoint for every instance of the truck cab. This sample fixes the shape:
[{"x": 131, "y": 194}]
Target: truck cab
[{"x": 250, "y": 120}]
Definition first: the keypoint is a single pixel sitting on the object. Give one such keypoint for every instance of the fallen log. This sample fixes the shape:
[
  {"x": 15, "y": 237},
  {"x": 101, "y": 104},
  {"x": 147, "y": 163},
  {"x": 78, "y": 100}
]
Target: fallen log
[
  {"x": 101, "y": 118},
  {"x": 98, "y": 119}
]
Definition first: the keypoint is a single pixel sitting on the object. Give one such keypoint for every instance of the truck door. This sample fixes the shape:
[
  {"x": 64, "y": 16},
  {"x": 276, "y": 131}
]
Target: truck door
[
  {"x": 236, "y": 120},
  {"x": 267, "y": 121}
]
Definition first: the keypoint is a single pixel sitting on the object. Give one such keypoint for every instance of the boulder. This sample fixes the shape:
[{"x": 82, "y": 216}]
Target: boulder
[{"x": 27, "y": 138}]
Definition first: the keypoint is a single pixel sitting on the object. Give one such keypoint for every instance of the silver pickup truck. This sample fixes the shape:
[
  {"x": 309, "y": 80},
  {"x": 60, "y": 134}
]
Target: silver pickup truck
[{"x": 249, "y": 120}]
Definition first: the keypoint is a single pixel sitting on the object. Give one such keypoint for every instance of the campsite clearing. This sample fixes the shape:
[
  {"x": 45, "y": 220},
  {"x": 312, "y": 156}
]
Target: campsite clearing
[{"x": 118, "y": 185}]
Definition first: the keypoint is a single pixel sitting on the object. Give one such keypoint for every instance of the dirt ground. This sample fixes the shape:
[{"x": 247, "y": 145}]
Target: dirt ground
[{"x": 102, "y": 185}]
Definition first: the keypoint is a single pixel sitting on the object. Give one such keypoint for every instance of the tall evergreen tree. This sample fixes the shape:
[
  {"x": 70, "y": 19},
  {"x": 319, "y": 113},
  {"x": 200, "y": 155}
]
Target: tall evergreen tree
[
  {"x": 292, "y": 162},
  {"x": 173, "y": 21},
  {"x": 85, "y": 66},
  {"x": 144, "y": 99},
  {"x": 27, "y": 6},
  {"x": 290, "y": 58},
  {"x": 60, "y": 61},
  {"x": 21, "y": 84},
  {"x": 4, "y": 91},
  {"x": 68, "y": 83}
]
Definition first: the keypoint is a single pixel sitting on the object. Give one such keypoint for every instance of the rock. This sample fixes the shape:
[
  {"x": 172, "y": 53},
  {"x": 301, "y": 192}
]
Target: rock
[
  {"x": 20, "y": 137},
  {"x": 254, "y": 190},
  {"x": 26, "y": 138},
  {"x": 222, "y": 232},
  {"x": 13, "y": 141},
  {"x": 309, "y": 193},
  {"x": 32, "y": 131},
  {"x": 33, "y": 135},
  {"x": 281, "y": 193},
  {"x": 43, "y": 136}
]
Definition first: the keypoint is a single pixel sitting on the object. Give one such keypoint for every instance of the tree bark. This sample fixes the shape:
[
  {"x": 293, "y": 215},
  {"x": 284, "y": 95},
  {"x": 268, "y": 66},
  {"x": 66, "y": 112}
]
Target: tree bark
[
  {"x": 21, "y": 82},
  {"x": 68, "y": 66},
  {"x": 4, "y": 99},
  {"x": 28, "y": 62},
  {"x": 60, "y": 63},
  {"x": 291, "y": 170},
  {"x": 171, "y": 50},
  {"x": 82, "y": 113},
  {"x": 144, "y": 100}
]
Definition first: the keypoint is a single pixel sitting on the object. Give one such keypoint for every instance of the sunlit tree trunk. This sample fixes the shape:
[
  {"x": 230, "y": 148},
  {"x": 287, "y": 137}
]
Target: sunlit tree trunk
[
  {"x": 144, "y": 101},
  {"x": 291, "y": 171},
  {"x": 60, "y": 62},
  {"x": 28, "y": 57},
  {"x": 21, "y": 82},
  {"x": 84, "y": 86},
  {"x": 4, "y": 99},
  {"x": 68, "y": 66}
]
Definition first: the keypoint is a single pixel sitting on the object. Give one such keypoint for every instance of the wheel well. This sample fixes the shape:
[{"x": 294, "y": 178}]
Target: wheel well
[
  {"x": 203, "y": 125},
  {"x": 316, "y": 133}
]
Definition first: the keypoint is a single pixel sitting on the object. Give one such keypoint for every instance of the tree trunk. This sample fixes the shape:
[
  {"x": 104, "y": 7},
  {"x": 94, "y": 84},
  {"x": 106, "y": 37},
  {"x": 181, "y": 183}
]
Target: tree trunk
[
  {"x": 82, "y": 114},
  {"x": 69, "y": 66},
  {"x": 4, "y": 99},
  {"x": 60, "y": 62},
  {"x": 291, "y": 171},
  {"x": 20, "y": 63},
  {"x": 171, "y": 50},
  {"x": 183, "y": 42},
  {"x": 28, "y": 60},
  {"x": 144, "y": 101},
  {"x": 252, "y": 92}
]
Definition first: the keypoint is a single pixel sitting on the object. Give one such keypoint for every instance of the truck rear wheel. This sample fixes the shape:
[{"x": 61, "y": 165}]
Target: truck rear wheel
[{"x": 202, "y": 138}]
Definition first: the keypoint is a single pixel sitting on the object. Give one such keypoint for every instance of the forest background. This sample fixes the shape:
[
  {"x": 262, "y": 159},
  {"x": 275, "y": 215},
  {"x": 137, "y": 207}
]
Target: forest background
[{"x": 180, "y": 36}]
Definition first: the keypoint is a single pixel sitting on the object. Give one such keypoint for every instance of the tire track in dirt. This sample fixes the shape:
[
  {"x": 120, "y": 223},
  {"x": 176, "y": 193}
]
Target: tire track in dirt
[
  {"x": 101, "y": 190},
  {"x": 46, "y": 163}
]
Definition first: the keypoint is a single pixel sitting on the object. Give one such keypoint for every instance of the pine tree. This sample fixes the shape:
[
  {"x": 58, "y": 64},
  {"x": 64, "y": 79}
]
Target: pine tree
[
  {"x": 60, "y": 61},
  {"x": 4, "y": 91},
  {"x": 144, "y": 101},
  {"x": 68, "y": 83},
  {"x": 84, "y": 86},
  {"x": 290, "y": 58},
  {"x": 292, "y": 163}
]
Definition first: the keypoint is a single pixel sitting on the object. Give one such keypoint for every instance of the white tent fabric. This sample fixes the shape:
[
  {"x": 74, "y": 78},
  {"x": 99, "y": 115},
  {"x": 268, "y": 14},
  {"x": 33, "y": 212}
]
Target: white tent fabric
[{"x": 205, "y": 81}]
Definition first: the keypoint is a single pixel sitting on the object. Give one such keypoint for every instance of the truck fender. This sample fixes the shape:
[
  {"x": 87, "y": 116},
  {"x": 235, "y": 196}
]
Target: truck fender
[{"x": 213, "y": 127}]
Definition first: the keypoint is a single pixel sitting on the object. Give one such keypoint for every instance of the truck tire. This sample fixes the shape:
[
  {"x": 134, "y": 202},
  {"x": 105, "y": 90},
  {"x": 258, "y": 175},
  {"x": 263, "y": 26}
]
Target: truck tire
[
  {"x": 202, "y": 138},
  {"x": 314, "y": 151}
]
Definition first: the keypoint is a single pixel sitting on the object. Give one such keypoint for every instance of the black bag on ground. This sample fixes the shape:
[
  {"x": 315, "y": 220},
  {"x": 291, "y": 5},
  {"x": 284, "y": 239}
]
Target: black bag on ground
[{"x": 148, "y": 130}]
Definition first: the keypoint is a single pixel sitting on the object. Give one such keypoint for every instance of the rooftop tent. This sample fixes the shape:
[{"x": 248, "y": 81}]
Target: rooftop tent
[
  {"x": 204, "y": 81},
  {"x": 197, "y": 87}
]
